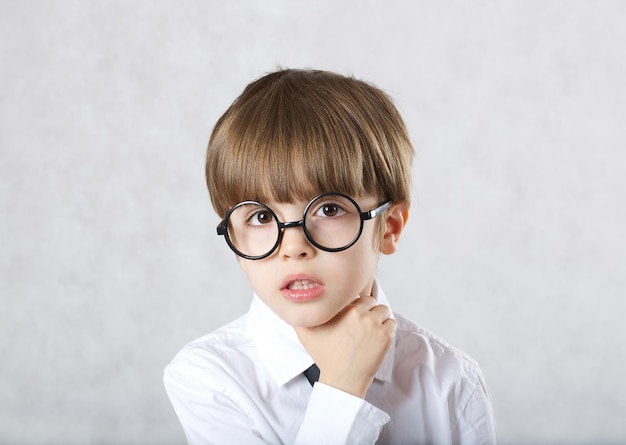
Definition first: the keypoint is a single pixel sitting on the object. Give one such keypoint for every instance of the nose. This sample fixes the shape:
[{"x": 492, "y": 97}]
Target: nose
[{"x": 294, "y": 243}]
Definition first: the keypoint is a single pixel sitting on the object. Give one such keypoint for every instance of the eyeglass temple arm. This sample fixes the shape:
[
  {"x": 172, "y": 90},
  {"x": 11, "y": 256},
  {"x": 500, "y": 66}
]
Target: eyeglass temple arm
[{"x": 375, "y": 212}]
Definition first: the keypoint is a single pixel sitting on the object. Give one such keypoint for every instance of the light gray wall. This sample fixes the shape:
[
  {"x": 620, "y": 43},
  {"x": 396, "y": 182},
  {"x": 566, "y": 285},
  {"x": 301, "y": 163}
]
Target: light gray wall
[{"x": 109, "y": 261}]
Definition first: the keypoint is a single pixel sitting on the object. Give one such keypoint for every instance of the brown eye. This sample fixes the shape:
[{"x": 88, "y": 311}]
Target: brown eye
[
  {"x": 260, "y": 218},
  {"x": 330, "y": 210}
]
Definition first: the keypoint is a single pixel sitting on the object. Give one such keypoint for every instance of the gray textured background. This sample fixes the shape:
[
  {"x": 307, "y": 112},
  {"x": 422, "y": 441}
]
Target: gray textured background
[{"x": 109, "y": 261}]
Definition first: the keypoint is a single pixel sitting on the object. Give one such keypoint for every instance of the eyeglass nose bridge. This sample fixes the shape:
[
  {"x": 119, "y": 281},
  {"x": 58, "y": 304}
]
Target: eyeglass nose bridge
[{"x": 290, "y": 224}]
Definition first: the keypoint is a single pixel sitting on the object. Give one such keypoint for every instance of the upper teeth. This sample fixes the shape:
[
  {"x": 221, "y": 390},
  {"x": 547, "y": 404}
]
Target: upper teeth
[{"x": 302, "y": 284}]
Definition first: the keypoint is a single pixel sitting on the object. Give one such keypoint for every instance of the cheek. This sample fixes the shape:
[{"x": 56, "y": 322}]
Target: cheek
[
  {"x": 367, "y": 248},
  {"x": 255, "y": 273},
  {"x": 359, "y": 262}
]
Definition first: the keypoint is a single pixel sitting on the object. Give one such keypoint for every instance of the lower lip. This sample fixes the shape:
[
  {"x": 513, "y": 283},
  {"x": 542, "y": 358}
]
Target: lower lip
[{"x": 301, "y": 295}]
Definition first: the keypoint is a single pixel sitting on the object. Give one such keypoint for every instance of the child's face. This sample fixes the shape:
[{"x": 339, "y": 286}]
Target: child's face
[{"x": 307, "y": 286}]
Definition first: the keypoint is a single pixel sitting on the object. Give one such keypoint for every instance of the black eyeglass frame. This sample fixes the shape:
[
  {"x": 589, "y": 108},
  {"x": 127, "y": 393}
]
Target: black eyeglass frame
[{"x": 222, "y": 227}]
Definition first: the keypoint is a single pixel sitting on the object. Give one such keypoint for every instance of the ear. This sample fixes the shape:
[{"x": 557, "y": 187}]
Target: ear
[{"x": 396, "y": 219}]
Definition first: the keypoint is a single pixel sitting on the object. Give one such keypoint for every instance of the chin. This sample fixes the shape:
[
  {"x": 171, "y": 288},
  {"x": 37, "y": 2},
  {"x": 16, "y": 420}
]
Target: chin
[{"x": 308, "y": 320}]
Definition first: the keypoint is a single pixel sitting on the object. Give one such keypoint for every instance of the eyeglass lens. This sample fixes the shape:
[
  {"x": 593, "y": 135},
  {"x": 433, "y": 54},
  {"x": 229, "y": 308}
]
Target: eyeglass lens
[{"x": 330, "y": 222}]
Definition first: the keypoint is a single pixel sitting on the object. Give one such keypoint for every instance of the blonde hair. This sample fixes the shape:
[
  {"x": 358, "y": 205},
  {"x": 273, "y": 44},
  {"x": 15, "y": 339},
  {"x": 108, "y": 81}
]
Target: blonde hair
[{"x": 295, "y": 133}]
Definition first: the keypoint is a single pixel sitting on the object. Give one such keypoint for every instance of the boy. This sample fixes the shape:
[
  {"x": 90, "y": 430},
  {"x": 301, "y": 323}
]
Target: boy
[{"x": 310, "y": 172}]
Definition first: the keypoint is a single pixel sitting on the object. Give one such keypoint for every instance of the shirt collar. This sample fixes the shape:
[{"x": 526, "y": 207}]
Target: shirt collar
[{"x": 280, "y": 349}]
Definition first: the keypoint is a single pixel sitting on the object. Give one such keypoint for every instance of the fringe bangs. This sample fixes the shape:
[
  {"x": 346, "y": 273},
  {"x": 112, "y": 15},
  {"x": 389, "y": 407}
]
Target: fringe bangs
[{"x": 292, "y": 135}]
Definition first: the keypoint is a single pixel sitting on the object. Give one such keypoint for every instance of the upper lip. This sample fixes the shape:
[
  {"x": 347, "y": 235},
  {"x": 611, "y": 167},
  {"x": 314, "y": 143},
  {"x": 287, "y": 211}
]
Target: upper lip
[{"x": 299, "y": 277}]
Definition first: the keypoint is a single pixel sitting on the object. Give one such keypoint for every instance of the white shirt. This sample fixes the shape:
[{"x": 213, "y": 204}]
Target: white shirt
[{"x": 243, "y": 384}]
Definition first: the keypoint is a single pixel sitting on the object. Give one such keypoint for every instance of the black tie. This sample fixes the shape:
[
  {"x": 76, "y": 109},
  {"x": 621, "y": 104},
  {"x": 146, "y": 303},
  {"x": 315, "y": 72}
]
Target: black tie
[{"x": 312, "y": 374}]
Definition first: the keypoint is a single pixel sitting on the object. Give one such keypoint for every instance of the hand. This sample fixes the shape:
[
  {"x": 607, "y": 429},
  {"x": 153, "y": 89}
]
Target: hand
[{"x": 349, "y": 348}]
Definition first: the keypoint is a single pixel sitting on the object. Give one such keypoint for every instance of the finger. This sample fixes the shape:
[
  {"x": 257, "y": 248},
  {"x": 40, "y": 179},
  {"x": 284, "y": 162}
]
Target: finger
[
  {"x": 381, "y": 312},
  {"x": 366, "y": 302},
  {"x": 390, "y": 325}
]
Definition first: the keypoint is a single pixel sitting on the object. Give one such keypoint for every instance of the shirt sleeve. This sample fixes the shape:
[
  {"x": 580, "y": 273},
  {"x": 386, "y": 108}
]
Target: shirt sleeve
[
  {"x": 208, "y": 416},
  {"x": 336, "y": 417},
  {"x": 476, "y": 424}
]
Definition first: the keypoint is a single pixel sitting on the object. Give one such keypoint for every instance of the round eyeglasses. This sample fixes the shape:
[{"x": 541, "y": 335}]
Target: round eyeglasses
[{"x": 331, "y": 222}]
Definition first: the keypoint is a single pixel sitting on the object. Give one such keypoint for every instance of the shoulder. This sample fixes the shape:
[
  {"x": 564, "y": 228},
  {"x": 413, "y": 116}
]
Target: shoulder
[
  {"x": 445, "y": 381},
  {"x": 219, "y": 353},
  {"x": 433, "y": 357}
]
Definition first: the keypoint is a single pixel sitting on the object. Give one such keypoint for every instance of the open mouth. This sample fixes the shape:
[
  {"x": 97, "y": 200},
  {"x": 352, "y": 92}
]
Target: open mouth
[
  {"x": 302, "y": 284},
  {"x": 301, "y": 287}
]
